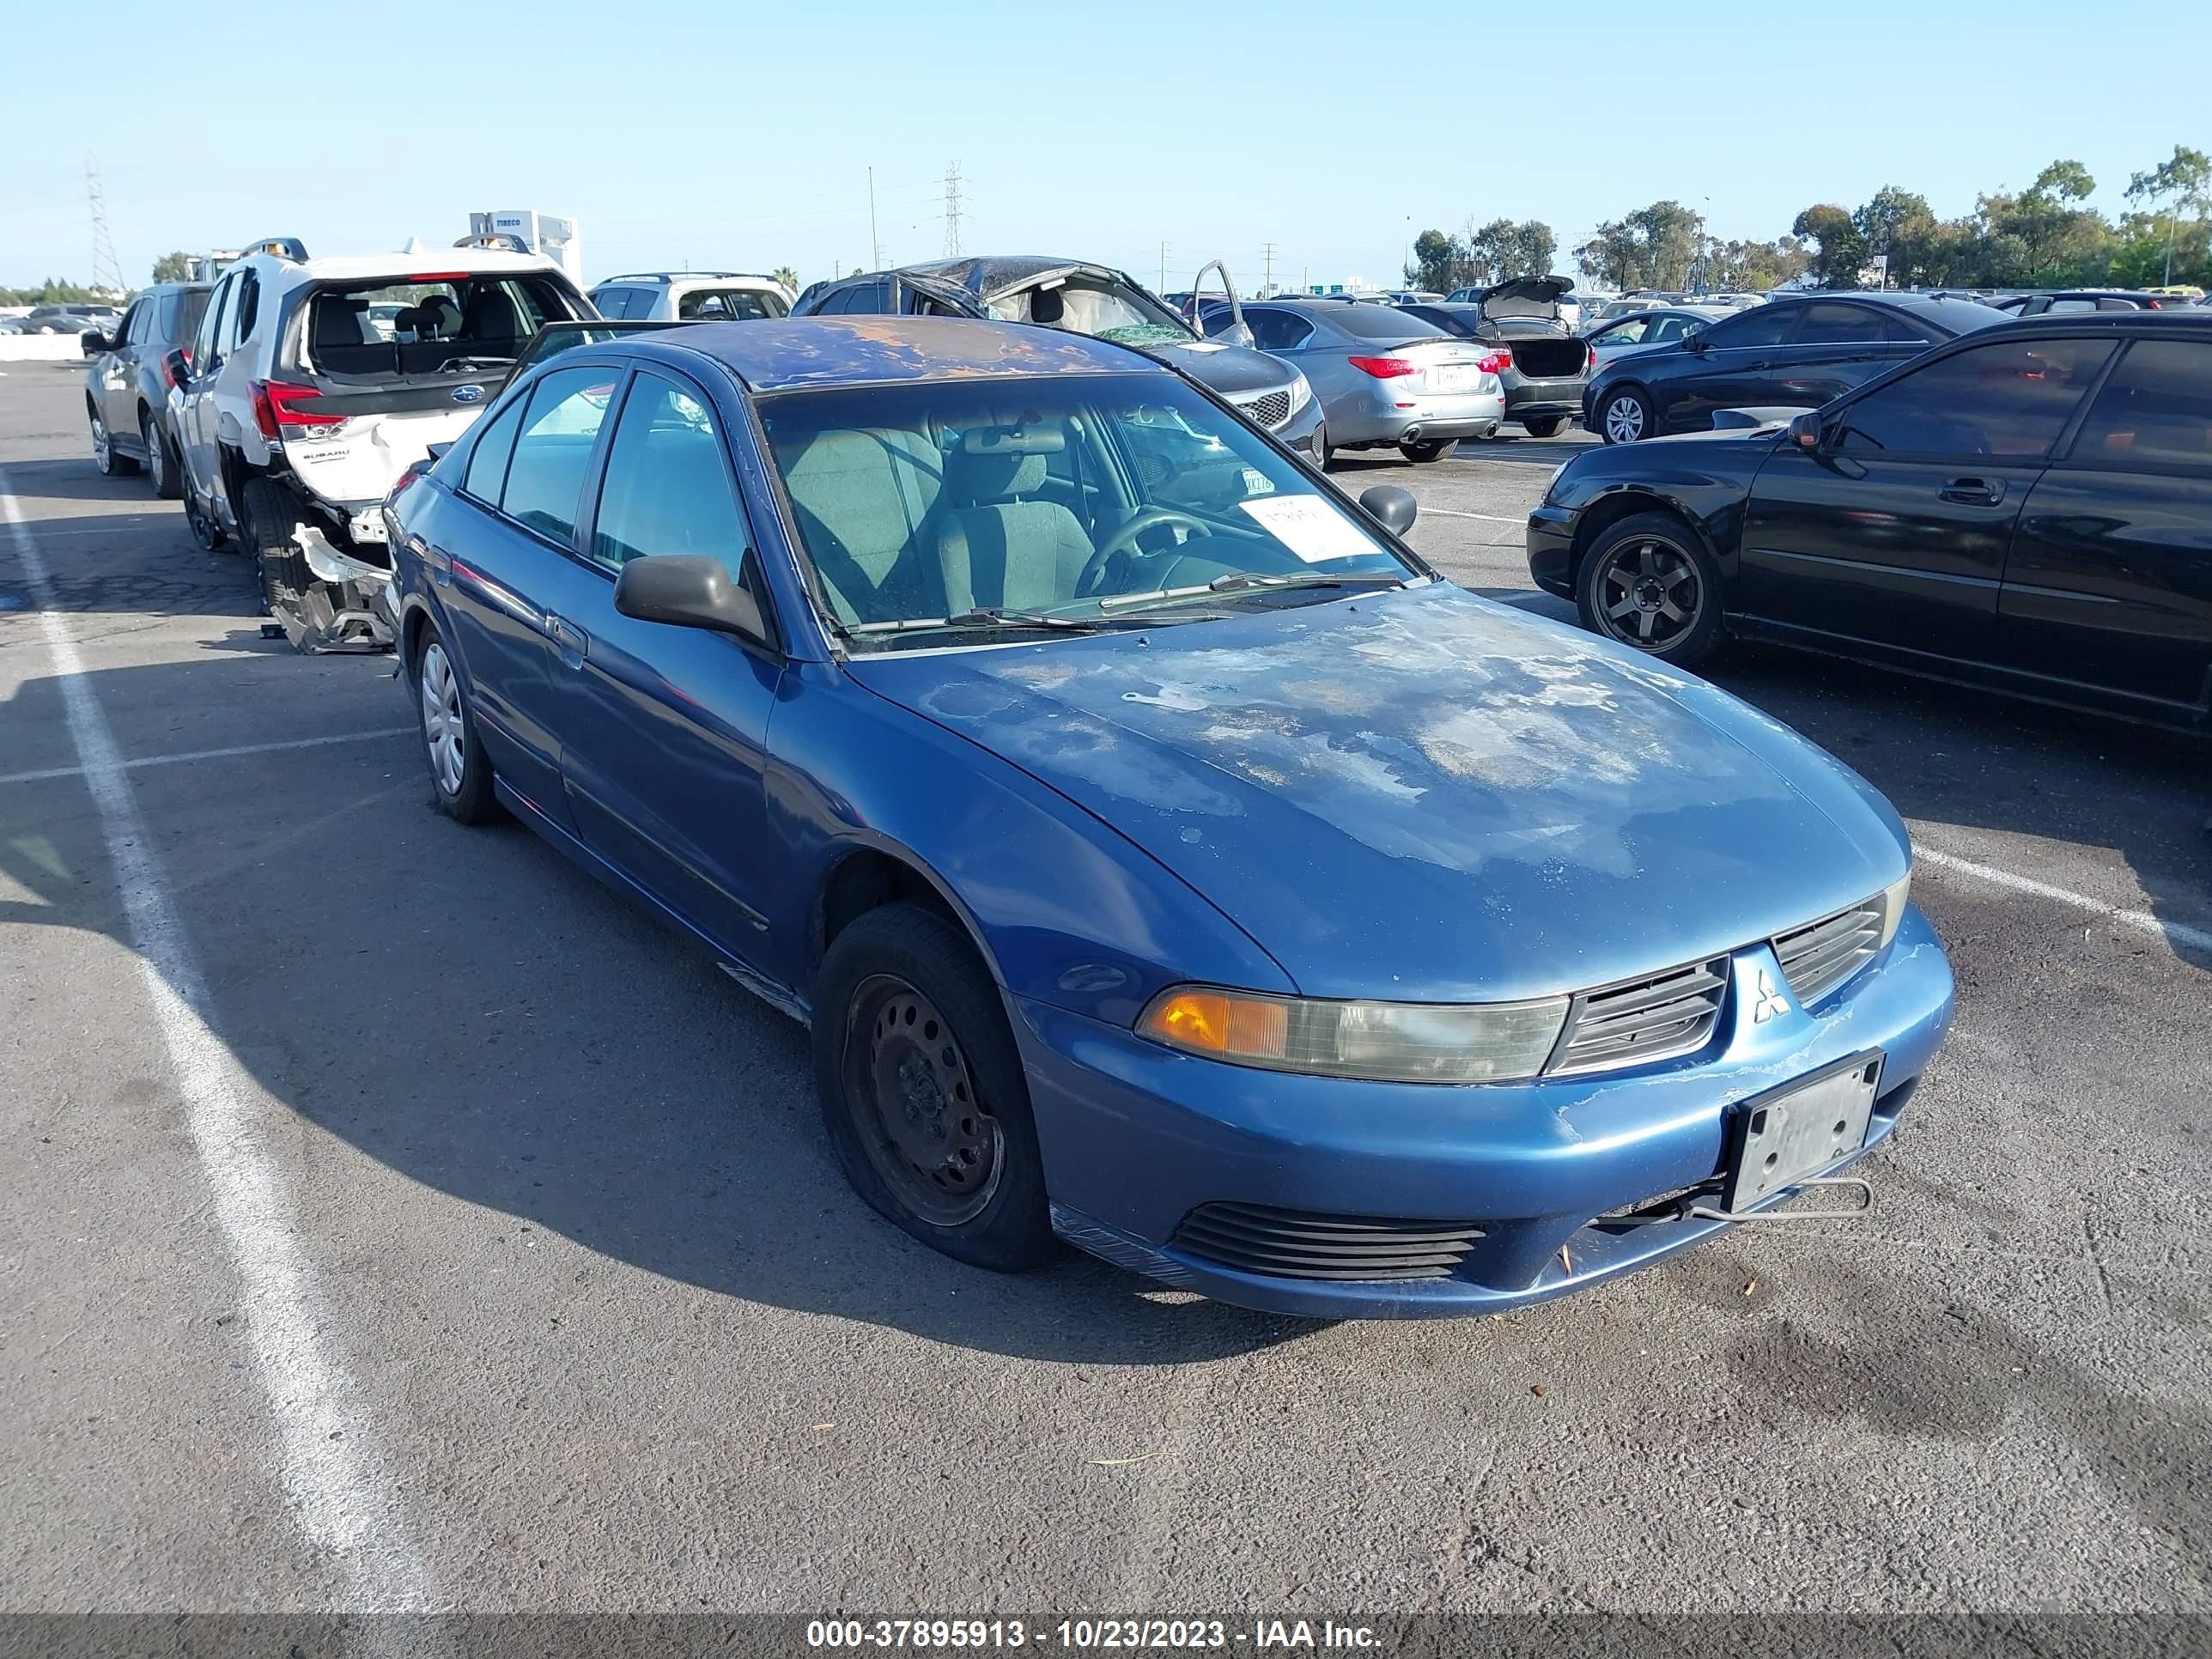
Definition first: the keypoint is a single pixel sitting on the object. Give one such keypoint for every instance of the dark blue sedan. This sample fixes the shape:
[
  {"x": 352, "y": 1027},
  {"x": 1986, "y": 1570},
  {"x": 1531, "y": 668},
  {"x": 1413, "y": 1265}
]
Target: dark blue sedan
[{"x": 1165, "y": 860}]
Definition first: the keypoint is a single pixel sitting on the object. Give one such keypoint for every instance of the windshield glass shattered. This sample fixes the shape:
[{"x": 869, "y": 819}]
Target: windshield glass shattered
[
  {"x": 1083, "y": 304},
  {"x": 953, "y": 513}
]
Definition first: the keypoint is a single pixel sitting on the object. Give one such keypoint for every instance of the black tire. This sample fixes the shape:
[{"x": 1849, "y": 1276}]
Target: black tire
[
  {"x": 205, "y": 530},
  {"x": 1422, "y": 454},
  {"x": 1628, "y": 408},
  {"x": 903, "y": 957},
  {"x": 1647, "y": 562},
  {"x": 1324, "y": 452},
  {"x": 110, "y": 461},
  {"x": 160, "y": 459},
  {"x": 270, "y": 512},
  {"x": 1544, "y": 426},
  {"x": 463, "y": 792}
]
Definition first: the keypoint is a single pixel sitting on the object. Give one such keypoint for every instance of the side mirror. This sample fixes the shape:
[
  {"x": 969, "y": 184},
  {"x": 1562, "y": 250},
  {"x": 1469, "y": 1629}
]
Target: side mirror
[
  {"x": 1803, "y": 432},
  {"x": 177, "y": 366},
  {"x": 1392, "y": 508},
  {"x": 94, "y": 343},
  {"x": 1697, "y": 343},
  {"x": 689, "y": 590}
]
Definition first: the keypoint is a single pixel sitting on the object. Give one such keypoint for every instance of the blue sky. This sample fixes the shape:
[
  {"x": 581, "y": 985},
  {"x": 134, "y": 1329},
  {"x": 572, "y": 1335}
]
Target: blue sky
[{"x": 740, "y": 135}]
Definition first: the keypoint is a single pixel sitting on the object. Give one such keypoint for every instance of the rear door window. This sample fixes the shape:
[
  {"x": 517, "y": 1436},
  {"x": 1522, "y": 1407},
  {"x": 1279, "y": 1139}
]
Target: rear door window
[
  {"x": 613, "y": 302},
  {"x": 553, "y": 450},
  {"x": 2157, "y": 409},
  {"x": 1768, "y": 325},
  {"x": 1276, "y": 331},
  {"x": 728, "y": 305},
  {"x": 1830, "y": 323},
  {"x": 2008, "y": 400}
]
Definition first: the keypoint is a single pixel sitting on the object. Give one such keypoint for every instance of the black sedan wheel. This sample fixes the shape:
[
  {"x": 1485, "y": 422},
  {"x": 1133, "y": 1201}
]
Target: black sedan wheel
[
  {"x": 1421, "y": 455},
  {"x": 1649, "y": 583},
  {"x": 1544, "y": 426},
  {"x": 1626, "y": 417},
  {"x": 922, "y": 1091}
]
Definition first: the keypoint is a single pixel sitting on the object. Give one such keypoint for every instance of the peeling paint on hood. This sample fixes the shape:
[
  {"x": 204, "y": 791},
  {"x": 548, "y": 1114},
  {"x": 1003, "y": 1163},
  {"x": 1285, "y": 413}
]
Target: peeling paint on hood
[{"x": 1425, "y": 794}]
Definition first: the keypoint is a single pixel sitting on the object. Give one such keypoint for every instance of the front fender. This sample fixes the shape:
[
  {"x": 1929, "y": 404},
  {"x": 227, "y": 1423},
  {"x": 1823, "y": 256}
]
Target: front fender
[{"x": 1067, "y": 911}]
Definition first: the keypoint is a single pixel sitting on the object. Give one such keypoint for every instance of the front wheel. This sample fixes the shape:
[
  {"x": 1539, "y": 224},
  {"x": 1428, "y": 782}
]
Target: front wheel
[
  {"x": 1649, "y": 582},
  {"x": 922, "y": 1093},
  {"x": 1546, "y": 426},
  {"x": 1323, "y": 451},
  {"x": 1422, "y": 454},
  {"x": 110, "y": 461},
  {"x": 1626, "y": 417}
]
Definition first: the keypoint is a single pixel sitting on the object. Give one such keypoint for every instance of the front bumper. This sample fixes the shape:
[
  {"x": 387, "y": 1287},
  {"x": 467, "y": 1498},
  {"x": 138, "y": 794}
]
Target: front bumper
[
  {"x": 1551, "y": 549},
  {"x": 1299, "y": 430},
  {"x": 1136, "y": 1138}
]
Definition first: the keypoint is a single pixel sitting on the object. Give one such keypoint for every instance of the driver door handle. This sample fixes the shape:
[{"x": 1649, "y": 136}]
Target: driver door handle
[
  {"x": 573, "y": 643},
  {"x": 1973, "y": 492}
]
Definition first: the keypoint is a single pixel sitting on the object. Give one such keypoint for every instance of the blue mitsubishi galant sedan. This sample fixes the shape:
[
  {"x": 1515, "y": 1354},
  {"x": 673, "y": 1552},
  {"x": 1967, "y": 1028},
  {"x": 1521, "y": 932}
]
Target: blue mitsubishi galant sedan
[{"x": 1165, "y": 859}]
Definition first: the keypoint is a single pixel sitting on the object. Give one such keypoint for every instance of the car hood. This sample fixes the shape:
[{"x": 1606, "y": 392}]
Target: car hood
[
  {"x": 1233, "y": 371},
  {"x": 1426, "y": 795}
]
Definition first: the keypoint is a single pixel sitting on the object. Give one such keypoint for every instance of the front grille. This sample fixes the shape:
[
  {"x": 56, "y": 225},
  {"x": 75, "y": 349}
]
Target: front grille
[
  {"x": 1257, "y": 1238},
  {"x": 1270, "y": 411},
  {"x": 1817, "y": 959},
  {"x": 1648, "y": 1018}
]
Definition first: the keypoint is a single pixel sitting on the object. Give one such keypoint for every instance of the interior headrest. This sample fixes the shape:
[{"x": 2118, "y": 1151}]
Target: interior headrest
[
  {"x": 440, "y": 316},
  {"x": 1047, "y": 307},
  {"x": 977, "y": 480},
  {"x": 1012, "y": 441}
]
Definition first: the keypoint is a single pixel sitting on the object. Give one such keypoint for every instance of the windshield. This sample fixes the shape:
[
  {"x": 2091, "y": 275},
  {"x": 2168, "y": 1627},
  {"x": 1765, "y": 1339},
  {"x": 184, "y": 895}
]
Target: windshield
[
  {"x": 1083, "y": 500},
  {"x": 1086, "y": 305}
]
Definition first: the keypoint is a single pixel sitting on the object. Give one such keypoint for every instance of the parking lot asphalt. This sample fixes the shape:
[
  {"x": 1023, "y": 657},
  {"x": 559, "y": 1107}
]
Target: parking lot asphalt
[{"x": 397, "y": 1217}]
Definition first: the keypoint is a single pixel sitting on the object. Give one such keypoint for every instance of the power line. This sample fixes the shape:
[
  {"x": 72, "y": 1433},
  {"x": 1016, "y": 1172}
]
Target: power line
[
  {"x": 952, "y": 209},
  {"x": 1267, "y": 253},
  {"x": 104, "y": 262}
]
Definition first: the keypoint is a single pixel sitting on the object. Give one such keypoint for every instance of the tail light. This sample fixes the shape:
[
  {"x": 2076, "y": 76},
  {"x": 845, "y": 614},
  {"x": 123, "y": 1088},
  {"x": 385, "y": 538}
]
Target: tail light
[
  {"x": 1496, "y": 363},
  {"x": 1384, "y": 368},
  {"x": 1589, "y": 364},
  {"x": 278, "y": 403},
  {"x": 2154, "y": 304}
]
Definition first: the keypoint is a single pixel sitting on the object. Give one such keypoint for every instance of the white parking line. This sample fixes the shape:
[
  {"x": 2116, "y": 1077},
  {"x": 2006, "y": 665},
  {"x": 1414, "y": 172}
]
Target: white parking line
[
  {"x": 43, "y": 775},
  {"x": 328, "y": 1462},
  {"x": 2175, "y": 932},
  {"x": 1487, "y": 518}
]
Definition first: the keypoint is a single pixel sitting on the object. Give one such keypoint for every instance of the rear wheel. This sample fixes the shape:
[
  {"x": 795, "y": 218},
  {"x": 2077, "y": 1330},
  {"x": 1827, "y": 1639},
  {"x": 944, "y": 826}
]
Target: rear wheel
[
  {"x": 1323, "y": 451},
  {"x": 1649, "y": 582},
  {"x": 110, "y": 461},
  {"x": 460, "y": 771},
  {"x": 161, "y": 463},
  {"x": 1423, "y": 453},
  {"x": 1626, "y": 417},
  {"x": 1547, "y": 426},
  {"x": 271, "y": 514},
  {"x": 922, "y": 1091}
]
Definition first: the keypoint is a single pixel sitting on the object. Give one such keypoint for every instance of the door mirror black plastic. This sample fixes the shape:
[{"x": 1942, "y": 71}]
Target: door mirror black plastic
[
  {"x": 1697, "y": 343},
  {"x": 689, "y": 590},
  {"x": 1392, "y": 508},
  {"x": 176, "y": 362},
  {"x": 1804, "y": 432},
  {"x": 94, "y": 343}
]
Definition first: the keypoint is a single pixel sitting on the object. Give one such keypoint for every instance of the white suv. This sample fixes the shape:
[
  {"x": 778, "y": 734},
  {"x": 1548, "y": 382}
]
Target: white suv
[
  {"x": 690, "y": 296},
  {"x": 313, "y": 385}
]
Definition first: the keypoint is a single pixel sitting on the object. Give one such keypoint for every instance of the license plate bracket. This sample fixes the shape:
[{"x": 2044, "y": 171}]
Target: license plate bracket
[{"x": 1799, "y": 1129}]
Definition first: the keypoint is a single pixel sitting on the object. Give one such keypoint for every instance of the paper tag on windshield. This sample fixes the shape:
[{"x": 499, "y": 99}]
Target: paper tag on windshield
[{"x": 1309, "y": 527}]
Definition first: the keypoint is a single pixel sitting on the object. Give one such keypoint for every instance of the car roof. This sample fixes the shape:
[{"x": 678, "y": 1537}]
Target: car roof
[
  {"x": 778, "y": 354},
  {"x": 988, "y": 273},
  {"x": 476, "y": 261}
]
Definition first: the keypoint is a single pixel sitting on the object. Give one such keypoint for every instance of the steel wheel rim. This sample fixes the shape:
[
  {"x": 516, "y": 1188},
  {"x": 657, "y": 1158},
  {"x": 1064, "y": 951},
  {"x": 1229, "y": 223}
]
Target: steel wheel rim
[
  {"x": 917, "y": 1108},
  {"x": 1650, "y": 593},
  {"x": 100, "y": 446},
  {"x": 441, "y": 719},
  {"x": 1624, "y": 420}
]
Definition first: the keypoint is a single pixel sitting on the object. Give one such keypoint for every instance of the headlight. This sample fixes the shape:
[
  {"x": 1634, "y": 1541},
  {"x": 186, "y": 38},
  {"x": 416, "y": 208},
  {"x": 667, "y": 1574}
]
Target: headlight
[
  {"x": 1301, "y": 394},
  {"x": 1553, "y": 482},
  {"x": 1382, "y": 1041},
  {"x": 1893, "y": 898}
]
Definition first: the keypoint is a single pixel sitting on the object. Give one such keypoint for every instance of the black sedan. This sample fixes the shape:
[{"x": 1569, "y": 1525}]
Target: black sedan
[
  {"x": 2028, "y": 507},
  {"x": 1798, "y": 351}
]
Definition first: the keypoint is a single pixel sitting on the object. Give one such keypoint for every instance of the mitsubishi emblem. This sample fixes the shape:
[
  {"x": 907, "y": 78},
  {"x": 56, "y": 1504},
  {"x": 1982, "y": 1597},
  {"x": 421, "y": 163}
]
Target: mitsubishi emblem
[{"x": 1769, "y": 1002}]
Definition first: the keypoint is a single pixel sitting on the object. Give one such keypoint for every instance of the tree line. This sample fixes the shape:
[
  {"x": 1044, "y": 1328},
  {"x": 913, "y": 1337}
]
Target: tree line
[{"x": 2043, "y": 236}]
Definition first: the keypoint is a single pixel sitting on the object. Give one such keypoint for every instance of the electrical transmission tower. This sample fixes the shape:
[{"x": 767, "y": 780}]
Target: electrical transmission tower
[
  {"x": 952, "y": 209},
  {"x": 107, "y": 269},
  {"x": 1267, "y": 275}
]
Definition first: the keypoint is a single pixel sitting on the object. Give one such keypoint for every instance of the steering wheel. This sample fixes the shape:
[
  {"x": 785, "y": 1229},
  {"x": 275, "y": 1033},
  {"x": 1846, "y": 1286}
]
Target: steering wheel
[{"x": 1125, "y": 538}]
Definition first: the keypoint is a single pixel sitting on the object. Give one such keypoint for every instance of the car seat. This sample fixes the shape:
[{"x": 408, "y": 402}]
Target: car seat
[{"x": 998, "y": 545}]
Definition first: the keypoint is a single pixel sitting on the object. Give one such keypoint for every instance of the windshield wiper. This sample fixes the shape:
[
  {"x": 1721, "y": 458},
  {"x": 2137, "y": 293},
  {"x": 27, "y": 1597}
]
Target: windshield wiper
[
  {"x": 1239, "y": 582},
  {"x": 994, "y": 616}
]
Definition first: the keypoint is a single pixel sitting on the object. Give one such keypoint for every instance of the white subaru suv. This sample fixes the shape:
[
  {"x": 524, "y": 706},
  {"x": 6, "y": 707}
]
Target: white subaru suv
[{"x": 313, "y": 385}]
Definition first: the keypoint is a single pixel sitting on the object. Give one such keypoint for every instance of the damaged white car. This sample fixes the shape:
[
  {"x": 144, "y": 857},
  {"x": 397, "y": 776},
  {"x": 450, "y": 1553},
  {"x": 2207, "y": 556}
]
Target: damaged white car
[{"x": 313, "y": 385}]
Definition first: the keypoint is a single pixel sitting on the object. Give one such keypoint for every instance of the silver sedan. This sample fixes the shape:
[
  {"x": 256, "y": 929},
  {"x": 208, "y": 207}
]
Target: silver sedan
[{"x": 1383, "y": 379}]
